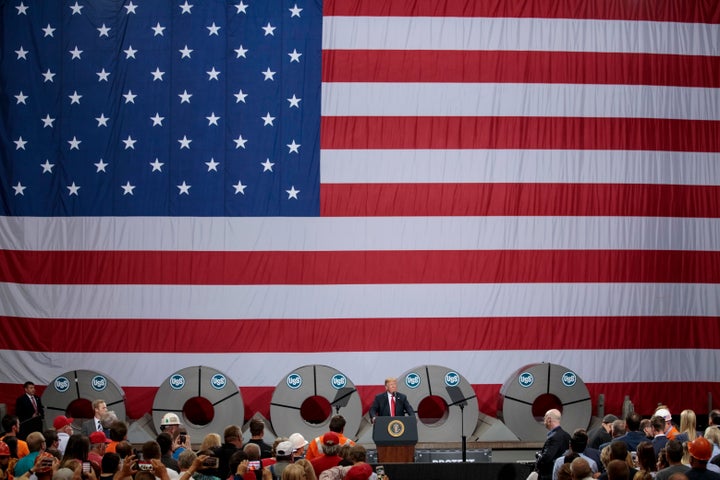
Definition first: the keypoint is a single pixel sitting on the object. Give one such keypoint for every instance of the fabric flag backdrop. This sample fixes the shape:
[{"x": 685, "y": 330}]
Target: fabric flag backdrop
[{"x": 373, "y": 186}]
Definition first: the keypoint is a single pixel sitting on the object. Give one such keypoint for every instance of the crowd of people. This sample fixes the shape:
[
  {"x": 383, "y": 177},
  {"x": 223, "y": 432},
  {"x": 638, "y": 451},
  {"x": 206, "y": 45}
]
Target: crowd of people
[
  {"x": 632, "y": 448},
  {"x": 98, "y": 449}
]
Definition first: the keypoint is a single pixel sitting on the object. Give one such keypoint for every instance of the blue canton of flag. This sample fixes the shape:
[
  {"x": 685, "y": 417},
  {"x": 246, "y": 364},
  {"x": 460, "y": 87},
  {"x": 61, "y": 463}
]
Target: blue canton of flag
[{"x": 124, "y": 108}]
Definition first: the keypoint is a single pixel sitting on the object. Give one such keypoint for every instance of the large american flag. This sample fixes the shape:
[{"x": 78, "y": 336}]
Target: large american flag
[{"x": 374, "y": 186}]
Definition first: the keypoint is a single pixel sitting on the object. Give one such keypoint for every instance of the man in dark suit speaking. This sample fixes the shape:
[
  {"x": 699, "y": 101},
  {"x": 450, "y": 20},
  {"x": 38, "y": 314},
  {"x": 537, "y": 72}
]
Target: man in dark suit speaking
[{"x": 390, "y": 403}]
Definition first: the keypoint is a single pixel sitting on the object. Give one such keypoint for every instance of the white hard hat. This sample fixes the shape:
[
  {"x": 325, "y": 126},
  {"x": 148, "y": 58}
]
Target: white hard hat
[{"x": 170, "y": 419}]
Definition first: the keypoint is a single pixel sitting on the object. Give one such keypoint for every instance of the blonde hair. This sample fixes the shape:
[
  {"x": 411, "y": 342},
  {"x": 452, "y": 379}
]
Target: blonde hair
[
  {"x": 309, "y": 470},
  {"x": 294, "y": 472},
  {"x": 210, "y": 441},
  {"x": 712, "y": 433},
  {"x": 688, "y": 424}
]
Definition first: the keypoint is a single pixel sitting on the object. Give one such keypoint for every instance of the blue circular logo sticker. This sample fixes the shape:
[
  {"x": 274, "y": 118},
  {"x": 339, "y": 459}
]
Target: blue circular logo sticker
[
  {"x": 218, "y": 381},
  {"x": 412, "y": 380},
  {"x": 294, "y": 381},
  {"x": 177, "y": 382},
  {"x": 338, "y": 381},
  {"x": 61, "y": 384},
  {"x": 526, "y": 379},
  {"x": 569, "y": 379},
  {"x": 98, "y": 383},
  {"x": 452, "y": 379}
]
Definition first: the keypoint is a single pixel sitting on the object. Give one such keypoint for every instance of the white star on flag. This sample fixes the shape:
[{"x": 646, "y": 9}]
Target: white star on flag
[
  {"x": 240, "y": 188},
  {"x": 294, "y": 147},
  {"x": 157, "y": 74},
  {"x": 269, "y": 30},
  {"x": 103, "y": 31},
  {"x": 213, "y": 74},
  {"x": 75, "y": 52},
  {"x": 294, "y": 101},
  {"x": 240, "y": 142},
  {"x": 129, "y": 97},
  {"x": 129, "y": 143},
  {"x": 157, "y": 119},
  {"x": 100, "y": 166},
  {"x": 292, "y": 193},
  {"x": 213, "y": 30},
  {"x": 102, "y": 120},
  {"x": 157, "y": 165},
  {"x": 268, "y": 120},
  {"x": 184, "y": 188},
  {"x": 127, "y": 188},
  {"x": 295, "y": 56},
  {"x": 19, "y": 189},
  {"x": 212, "y": 165},
  {"x": 212, "y": 119},
  {"x": 295, "y": 11},
  {"x": 184, "y": 142},
  {"x": 269, "y": 74},
  {"x": 130, "y": 52},
  {"x": 73, "y": 189}
]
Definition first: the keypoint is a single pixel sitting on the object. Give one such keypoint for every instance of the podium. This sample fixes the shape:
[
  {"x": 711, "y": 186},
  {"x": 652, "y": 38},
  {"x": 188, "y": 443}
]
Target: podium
[{"x": 395, "y": 439}]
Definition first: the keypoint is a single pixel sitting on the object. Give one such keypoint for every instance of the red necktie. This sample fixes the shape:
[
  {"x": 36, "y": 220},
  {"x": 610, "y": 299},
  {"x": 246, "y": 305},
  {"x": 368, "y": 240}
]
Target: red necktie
[
  {"x": 32, "y": 399},
  {"x": 392, "y": 406}
]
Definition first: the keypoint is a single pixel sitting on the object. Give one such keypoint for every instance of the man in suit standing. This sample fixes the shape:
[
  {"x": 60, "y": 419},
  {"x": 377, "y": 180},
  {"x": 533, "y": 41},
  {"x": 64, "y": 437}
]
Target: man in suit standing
[
  {"x": 555, "y": 445},
  {"x": 30, "y": 411},
  {"x": 390, "y": 403},
  {"x": 94, "y": 424}
]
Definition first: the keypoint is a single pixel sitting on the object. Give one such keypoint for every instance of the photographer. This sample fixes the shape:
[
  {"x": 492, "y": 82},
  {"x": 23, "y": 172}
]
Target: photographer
[
  {"x": 43, "y": 468},
  {"x": 151, "y": 455},
  {"x": 246, "y": 469},
  {"x": 198, "y": 467}
]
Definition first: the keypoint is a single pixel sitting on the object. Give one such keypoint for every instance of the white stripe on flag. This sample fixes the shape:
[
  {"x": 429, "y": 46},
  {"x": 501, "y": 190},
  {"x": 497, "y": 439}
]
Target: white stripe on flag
[
  {"x": 359, "y": 300},
  {"x": 516, "y": 100},
  {"x": 519, "y": 166},
  {"x": 528, "y": 34},
  {"x": 358, "y": 234}
]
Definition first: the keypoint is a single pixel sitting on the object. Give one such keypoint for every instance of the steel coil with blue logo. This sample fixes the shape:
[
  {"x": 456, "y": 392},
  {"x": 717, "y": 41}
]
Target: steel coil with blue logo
[
  {"x": 65, "y": 390},
  {"x": 205, "y": 399},
  {"x": 438, "y": 384},
  {"x": 533, "y": 389},
  {"x": 306, "y": 398}
]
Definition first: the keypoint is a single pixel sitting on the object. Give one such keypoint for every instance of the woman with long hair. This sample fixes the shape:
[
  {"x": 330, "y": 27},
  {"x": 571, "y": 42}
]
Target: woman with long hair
[{"x": 647, "y": 462}]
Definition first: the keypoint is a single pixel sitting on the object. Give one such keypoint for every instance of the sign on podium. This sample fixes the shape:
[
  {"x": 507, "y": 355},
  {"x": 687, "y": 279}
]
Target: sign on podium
[{"x": 395, "y": 439}]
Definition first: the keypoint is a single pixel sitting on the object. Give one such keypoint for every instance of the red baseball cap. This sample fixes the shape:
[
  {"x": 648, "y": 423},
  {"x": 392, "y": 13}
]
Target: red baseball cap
[
  {"x": 331, "y": 438},
  {"x": 61, "y": 421},
  {"x": 98, "y": 437}
]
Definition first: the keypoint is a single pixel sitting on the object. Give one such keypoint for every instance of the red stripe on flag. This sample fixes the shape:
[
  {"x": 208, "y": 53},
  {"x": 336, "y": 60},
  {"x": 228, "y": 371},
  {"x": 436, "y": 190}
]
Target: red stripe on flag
[
  {"x": 359, "y": 267},
  {"x": 531, "y": 199},
  {"x": 311, "y": 335},
  {"x": 672, "y": 11},
  {"x": 520, "y": 133},
  {"x": 520, "y": 67}
]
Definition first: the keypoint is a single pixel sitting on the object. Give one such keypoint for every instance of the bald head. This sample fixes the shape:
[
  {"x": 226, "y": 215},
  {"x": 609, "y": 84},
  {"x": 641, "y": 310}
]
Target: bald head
[{"x": 552, "y": 418}]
